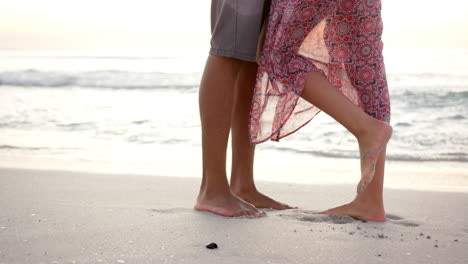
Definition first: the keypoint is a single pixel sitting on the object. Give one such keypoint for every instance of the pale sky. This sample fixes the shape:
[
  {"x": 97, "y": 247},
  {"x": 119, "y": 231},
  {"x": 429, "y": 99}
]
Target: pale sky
[{"x": 183, "y": 25}]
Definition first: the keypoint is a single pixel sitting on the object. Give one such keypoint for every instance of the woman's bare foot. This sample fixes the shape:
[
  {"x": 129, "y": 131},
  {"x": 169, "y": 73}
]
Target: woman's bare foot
[
  {"x": 226, "y": 204},
  {"x": 360, "y": 211},
  {"x": 260, "y": 200},
  {"x": 371, "y": 144}
]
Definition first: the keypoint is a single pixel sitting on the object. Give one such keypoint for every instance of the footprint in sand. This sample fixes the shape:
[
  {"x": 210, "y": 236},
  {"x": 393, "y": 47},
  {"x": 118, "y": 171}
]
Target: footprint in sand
[
  {"x": 171, "y": 210},
  {"x": 306, "y": 216},
  {"x": 398, "y": 220},
  {"x": 394, "y": 217}
]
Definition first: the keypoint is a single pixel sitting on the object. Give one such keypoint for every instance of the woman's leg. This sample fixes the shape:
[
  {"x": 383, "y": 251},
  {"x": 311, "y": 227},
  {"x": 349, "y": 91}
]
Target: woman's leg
[
  {"x": 367, "y": 205},
  {"x": 372, "y": 134}
]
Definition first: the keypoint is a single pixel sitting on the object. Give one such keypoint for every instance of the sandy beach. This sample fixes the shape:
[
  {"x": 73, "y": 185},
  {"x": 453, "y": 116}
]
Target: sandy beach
[{"x": 75, "y": 217}]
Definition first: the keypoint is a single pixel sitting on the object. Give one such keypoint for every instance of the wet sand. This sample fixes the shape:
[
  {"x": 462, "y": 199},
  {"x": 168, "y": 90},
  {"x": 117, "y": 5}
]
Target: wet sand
[{"x": 71, "y": 217}]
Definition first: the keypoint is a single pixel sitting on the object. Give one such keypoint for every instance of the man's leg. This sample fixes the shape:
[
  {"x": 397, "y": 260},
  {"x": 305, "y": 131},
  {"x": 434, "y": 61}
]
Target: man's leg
[
  {"x": 216, "y": 102},
  {"x": 242, "y": 182}
]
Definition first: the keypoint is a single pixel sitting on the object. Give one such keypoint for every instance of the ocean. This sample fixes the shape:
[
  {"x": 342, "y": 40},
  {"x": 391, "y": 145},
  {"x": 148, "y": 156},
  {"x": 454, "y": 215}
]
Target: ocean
[{"x": 135, "y": 108}]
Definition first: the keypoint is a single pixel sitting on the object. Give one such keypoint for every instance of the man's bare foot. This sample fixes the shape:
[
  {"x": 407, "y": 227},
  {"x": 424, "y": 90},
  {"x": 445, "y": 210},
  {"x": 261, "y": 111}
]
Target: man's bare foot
[
  {"x": 226, "y": 204},
  {"x": 371, "y": 144},
  {"x": 359, "y": 211},
  {"x": 260, "y": 200}
]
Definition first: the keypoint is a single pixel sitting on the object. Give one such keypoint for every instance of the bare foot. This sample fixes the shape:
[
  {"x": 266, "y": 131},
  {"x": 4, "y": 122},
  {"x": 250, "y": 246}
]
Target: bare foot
[
  {"x": 226, "y": 204},
  {"x": 359, "y": 211},
  {"x": 371, "y": 144},
  {"x": 260, "y": 200}
]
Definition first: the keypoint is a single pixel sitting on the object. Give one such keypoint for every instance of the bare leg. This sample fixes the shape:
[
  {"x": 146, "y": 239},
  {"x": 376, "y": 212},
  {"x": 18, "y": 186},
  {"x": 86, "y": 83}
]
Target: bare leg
[
  {"x": 367, "y": 205},
  {"x": 372, "y": 134},
  {"x": 216, "y": 103},
  {"x": 242, "y": 182}
]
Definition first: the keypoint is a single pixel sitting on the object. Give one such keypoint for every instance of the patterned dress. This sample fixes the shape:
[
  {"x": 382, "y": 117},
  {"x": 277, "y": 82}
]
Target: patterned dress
[{"x": 339, "y": 38}]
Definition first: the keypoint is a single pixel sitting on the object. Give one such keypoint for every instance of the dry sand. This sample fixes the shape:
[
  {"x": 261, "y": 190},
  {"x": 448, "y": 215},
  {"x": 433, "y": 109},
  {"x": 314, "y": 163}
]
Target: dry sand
[{"x": 70, "y": 217}]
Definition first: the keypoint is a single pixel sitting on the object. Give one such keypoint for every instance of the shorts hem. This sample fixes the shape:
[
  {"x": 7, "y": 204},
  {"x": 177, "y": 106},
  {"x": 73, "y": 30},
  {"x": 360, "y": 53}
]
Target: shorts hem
[{"x": 234, "y": 54}]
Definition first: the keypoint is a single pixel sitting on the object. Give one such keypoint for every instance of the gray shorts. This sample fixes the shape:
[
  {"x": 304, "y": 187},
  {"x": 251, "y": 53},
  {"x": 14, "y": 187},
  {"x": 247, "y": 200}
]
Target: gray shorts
[{"x": 235, "y": 26}]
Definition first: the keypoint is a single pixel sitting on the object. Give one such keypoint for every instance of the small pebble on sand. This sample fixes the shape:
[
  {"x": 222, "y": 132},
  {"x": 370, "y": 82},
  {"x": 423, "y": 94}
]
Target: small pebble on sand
[
  {"x": 379, "y": 255},
  {"x": 381, "y": 236},
  {"x": 436, "y": 246},
  {"x": 456, "y": 240},
  {"x": 428, "y": 237},
  {"x": 421, "y": 234},
  {"x": 358, "y": 228},
  {"x": 212, "y": 246}
]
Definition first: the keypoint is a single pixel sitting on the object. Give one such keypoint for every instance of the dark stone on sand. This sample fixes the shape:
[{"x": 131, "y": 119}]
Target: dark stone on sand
[
  {"x": 380, "y": 236},
  {"x": 421, "y": 234},
  {"x": 379, "y": 255},
  {"x": 351, "y": 233},
  {"x": 212, "y": 246},
  {"x": 436, "y": 246},
  {"x": 428, "y": 237},
  {"x": 456, "y": 240}
]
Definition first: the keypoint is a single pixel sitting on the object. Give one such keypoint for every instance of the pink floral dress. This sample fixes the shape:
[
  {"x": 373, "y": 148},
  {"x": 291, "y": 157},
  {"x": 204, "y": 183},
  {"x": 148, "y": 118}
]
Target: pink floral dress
[{"x": 339, "y": 38}]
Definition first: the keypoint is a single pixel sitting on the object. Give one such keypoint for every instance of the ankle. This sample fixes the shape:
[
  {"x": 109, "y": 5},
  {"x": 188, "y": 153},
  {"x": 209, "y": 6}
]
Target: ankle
[
  {"x": 242, "y": 188},
  {"x": 371, "y": 203},
  {"x": 208, "y": 191}
]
